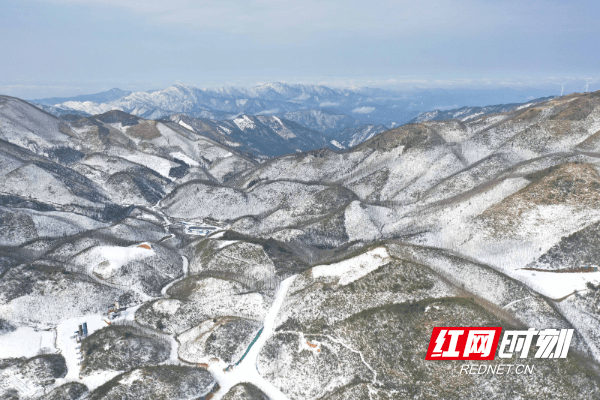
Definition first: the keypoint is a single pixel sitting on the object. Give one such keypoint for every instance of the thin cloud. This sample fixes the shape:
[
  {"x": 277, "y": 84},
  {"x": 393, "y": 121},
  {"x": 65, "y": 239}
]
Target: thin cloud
[
  {"x": 363, "y": 110},
  {"x": 329, "y": 104},
  {"x": 268, "y": 112},
  {"x": 445, "y": 108}
]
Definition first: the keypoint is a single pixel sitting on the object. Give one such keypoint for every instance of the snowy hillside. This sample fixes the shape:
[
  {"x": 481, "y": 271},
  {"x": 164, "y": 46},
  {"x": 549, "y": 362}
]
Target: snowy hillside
[
  {"x": 471, "y": 113},
  {"x": 216, "y": 258},
  {"x": 259, "y": 137}
]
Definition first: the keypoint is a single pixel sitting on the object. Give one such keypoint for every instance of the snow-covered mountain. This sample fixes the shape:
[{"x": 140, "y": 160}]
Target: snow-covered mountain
[
  {"x": 343, "y": 117},
  {"x": 470, "y": 113},
  {"x": 260, "y": 137},
  {"x": 353, "y": 136},
  {"x": 179, "y": 98},
  {"x": 200, "y": 273},
  {"x": 367, "y": 105}
]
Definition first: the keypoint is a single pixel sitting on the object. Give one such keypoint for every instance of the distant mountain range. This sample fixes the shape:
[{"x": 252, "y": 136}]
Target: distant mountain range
[
  {"x": 351, "y": 107},
  {"x": 282, "y": 118},
  {"x": 103, "y": 97}
]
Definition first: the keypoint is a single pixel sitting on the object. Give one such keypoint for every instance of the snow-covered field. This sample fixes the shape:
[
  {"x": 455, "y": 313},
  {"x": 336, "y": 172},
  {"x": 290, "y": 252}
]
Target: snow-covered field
[
  {"x": 27, "y": 342},
  {"x": 556, "y": 285},
  {"x": 183, "y": 157},
  {"x": 355, "y": 268},
  {"x": 158, "y": 164},
  {"x": 113, "y": 258}
]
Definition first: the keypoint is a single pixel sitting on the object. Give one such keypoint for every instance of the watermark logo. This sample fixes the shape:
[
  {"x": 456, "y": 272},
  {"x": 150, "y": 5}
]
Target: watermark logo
[
  {"x": 463, "y": 343},
  {"x": 550, "y": 343},
  {"x": 481, "y": 343}
]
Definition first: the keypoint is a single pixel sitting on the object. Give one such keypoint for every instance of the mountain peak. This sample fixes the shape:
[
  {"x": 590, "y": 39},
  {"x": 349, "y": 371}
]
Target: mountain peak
[
  {"x": 183, "y": 86},
  {"x": 274, "y": 85}
]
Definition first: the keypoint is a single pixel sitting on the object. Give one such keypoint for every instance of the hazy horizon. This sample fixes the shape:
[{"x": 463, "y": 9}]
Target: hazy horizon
[
  {"x": 547, "y": 86},
  {"x": 59, "y": 48}
]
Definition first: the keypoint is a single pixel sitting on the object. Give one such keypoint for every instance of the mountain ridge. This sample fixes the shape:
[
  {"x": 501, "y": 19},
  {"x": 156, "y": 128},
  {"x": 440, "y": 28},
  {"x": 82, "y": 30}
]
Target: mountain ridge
[
  {"x": 388, "y": 106},
  {"x": 102, "y": 97},
  {"x": 343, "y": 117}
]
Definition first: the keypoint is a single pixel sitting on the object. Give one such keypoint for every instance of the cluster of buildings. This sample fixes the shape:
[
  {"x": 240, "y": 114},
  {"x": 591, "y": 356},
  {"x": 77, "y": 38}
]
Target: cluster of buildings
[
  {"x": 115, "y": 311},
  {"x": 81, "y": 333}
]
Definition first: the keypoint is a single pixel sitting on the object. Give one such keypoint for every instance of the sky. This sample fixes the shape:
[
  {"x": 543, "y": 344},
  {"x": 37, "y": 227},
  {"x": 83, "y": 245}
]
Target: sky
[{"x": 69, "y": 47}]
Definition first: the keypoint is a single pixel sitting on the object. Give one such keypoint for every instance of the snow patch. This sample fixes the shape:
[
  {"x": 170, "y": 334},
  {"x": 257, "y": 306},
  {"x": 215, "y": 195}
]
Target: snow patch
[
  {"x": 244, "y": 122},
  {"x": 223, "y": 243},
  {"x": 158, "y": 164},
  {"x": 355, "y": 268},
  {"x": 232, "y": 144},
  {"x": 189, "y": 161},
  {"x": 225, "y": 129},
  {"x": 338, "y": 144},
  {"x": 26, "y": 342},
  {"x": 186, "y": 125},
  {"x": 114, "y": 257},
  {"x": 167, "y": 306},
  {"x": 554, "y": 284},
  {"x": 134, "y": 376}
]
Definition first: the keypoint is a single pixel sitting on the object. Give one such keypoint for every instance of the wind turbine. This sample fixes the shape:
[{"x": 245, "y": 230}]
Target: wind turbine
[
  {"x": 562, "y": 87},
  {"x": 586, "y": 86}
]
